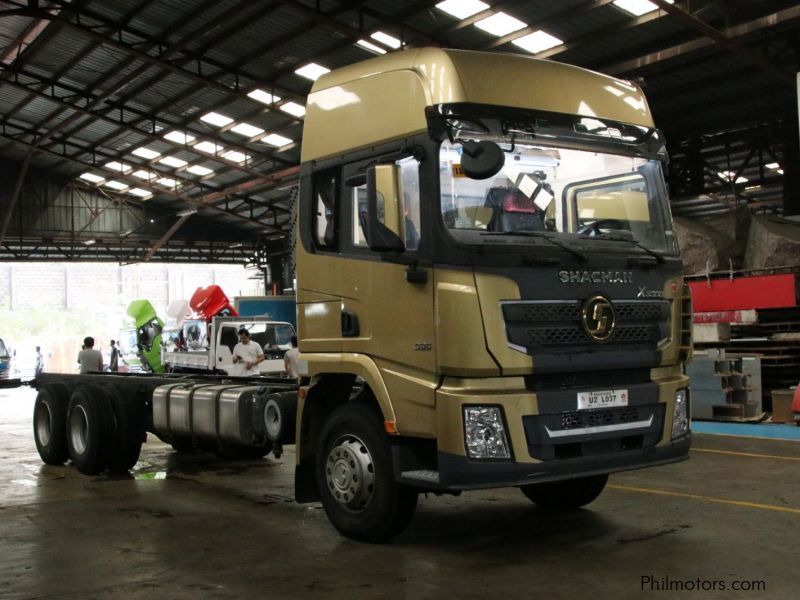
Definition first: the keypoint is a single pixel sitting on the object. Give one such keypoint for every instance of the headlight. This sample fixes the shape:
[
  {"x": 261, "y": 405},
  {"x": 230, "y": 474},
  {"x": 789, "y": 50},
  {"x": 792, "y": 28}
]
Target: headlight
[
  {"x": 485, "y": 432},
  {"x": 680, "y": 415}
]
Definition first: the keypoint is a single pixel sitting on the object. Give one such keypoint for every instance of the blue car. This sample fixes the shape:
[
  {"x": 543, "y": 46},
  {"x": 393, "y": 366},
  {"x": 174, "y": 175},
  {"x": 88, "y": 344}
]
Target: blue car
[{"x": 5, "y": 361}]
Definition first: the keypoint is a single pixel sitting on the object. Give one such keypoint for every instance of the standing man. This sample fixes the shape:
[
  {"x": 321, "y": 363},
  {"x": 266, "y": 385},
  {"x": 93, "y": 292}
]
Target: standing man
[
  {"x": 90, "y": 359},
  {"x": 39, "y": 360},
  {"x": 113, "y": 360},
  {"x": 248, "y": 353},
  {"x": 290, "y": 359}
]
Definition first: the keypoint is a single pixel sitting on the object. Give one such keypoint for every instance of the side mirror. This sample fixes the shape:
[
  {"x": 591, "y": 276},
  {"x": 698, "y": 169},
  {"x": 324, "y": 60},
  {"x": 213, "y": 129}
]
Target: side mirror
[{"x": 385, "y": 221}]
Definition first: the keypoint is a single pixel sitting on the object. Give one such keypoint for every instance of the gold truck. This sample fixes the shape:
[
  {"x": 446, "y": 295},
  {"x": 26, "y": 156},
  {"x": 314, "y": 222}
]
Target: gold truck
[{"x": 484, "y": 245}]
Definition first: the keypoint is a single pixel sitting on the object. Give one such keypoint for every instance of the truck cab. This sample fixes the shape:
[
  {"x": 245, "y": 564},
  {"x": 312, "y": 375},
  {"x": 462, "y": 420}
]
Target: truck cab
[{"x": 140, "y": 338}]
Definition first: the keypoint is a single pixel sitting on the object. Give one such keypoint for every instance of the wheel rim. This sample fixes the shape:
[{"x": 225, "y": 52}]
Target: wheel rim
[
  {"x": 44, "y": 423},
  {"x": 79, "y": 429},
  {"x": 350, "y": 473},
  {"x": 272, "y": 421}
]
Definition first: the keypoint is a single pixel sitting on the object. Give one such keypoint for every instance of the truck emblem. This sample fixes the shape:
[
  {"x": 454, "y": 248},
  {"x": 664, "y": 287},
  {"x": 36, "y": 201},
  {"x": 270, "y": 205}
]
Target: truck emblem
[
  {"x": 599, "y": 318},
  {"x": 595, "y": 276}
]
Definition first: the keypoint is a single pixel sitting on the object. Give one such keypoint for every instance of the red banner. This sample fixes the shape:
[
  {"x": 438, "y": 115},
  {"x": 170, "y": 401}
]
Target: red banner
[{"x": 742, "y": 293}]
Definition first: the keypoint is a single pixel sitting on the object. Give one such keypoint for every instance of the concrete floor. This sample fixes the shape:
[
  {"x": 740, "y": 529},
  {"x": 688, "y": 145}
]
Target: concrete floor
[{"x": 188, "y": 527}]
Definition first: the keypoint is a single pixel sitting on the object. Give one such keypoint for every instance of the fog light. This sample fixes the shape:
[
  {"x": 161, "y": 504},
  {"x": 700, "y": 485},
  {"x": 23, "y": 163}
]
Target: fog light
[
  {"x": 680, "y": 415},
  {"x": 485, "y": 432}
]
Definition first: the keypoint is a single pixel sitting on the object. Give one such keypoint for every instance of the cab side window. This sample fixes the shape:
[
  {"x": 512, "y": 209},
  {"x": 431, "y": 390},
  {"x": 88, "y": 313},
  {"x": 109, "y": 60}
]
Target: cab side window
[{"x": 325, "y": 228}]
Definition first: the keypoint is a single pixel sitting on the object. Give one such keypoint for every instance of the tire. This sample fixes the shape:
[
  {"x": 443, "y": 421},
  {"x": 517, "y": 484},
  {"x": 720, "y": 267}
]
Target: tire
[
  {"x": 355, "y": 476},
  {"x": 50, "y": 424},
  {"x": 128, "y": 431},
  {"x": 90, "y": 430},
  {"x": 565, "y": 495},
  {"x": 280, "y": 416},
  {"x": 229, "y": 452},
  {"x": 183, "y": 445}
]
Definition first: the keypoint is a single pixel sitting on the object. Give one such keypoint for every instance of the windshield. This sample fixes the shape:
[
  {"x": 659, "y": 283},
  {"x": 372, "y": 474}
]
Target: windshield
[
  {"x": 558, "y": 192},
  {"x": 127, "y": 341}
]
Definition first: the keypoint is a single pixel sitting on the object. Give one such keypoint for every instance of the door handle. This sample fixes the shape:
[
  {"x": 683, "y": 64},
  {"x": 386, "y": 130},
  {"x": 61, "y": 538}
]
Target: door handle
[{"x": 350, "y": 326}]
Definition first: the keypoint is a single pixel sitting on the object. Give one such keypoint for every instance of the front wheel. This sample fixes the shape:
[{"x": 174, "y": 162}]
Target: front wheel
[
  {"x": 565, "y": 495},
  {"x": 355, "y": 476}
]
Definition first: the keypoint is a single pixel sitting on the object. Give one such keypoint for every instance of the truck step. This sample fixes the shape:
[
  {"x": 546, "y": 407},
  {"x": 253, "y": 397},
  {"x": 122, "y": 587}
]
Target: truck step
[{"x": 422, "y": 475}]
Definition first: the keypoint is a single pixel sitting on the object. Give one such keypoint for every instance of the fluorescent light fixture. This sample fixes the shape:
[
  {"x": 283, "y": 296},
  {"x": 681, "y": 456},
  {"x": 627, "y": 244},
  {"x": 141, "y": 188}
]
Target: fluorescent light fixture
[
  {"x": 166, "y": 181},
  {"x": 500, "y": 24},
  {"x": 273, "y": 139},
  {"x": 538, "y": 41},
  {"x": 729, "y": 175},
  {"x": 638, "y": 7},
  {"x": 146, "y": 153},
  {"x": 172, "y": 161},
  {"x": 216, "y": 119},
  {"x": 91, "y": 242},
  {"x": 386, "y": 39},
  {"x": 208, "y": 147},
  {"x": 237, "y": 157},
  {"x": 294, "y": 109},
  {"x": 142, "y": 174},
  {"x": 247, "y": 130},
  {"x": 312, "y": 71},
  {"x": 779, "y": 171},
  {"x": 140, "y": 192},
  {"x": 461, "y": 9},
  {"x": 198, "y": 170},
  {"x": 752, "y": 188},
  {"x": 116, "y": 185},
  {"x": 179, "y": 137},
  {"x": 742, "y": 179},
  {"x": 772, "y": 165},
  {"x": 263, "y": 97},
  {"x": 92, "y": 177},
  {"x": 120, "y": 167},
  {"x": 187, "y": 212},
  {"x": 371, "y": 47}
]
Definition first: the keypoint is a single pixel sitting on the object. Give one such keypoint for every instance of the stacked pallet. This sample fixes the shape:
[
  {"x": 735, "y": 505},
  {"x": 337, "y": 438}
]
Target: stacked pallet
[{"x": 724, "y": 386}]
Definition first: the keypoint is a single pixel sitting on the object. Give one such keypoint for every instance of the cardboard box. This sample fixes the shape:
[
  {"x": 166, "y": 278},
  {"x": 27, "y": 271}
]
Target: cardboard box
[{"x": 782, "y": 406}]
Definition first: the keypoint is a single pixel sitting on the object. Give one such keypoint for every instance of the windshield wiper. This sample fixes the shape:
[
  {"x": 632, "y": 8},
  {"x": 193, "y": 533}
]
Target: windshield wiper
[
  {"x": 628, "y": 237},
  {"x": 539, "y": 235}
]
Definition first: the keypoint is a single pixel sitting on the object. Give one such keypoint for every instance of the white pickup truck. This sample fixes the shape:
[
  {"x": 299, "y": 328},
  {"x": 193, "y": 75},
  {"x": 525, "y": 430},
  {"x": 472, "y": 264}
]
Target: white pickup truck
[{"x": 207, "y": 348}]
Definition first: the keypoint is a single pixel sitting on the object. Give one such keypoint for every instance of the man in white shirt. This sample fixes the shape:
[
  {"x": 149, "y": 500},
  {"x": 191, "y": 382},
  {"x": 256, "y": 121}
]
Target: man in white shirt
[
  {"x": 90, "y": 359},
  {"x": 248, "y": 353},
  {"x": 290, "y": 359}
]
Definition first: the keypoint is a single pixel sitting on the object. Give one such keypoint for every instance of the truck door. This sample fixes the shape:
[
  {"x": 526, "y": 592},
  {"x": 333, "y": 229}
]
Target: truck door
[{"x": 227, "y": 338}]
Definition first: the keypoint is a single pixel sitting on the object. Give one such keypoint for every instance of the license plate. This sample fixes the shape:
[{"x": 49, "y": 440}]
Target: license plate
[{"x": 602, "y": 399}]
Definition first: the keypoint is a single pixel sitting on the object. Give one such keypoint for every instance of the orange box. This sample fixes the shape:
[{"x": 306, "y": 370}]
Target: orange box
[{"x": 782, "y": 406}]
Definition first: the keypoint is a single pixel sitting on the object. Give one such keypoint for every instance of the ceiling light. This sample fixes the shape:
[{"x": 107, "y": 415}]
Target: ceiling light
[
  {"x": 186, "y": 212},
  {"x": 208, "y": 147},
  {"x": 142, "y": 174},
  {"x": 140, "y": 192},
  {"x": 92, "y": 177},
  {"x": 772, "y": 165},
  {"x": 500, "y": 24},
  {"x": 216, "y": 119},
  {"x": 461, "y": 9},
  {"x": 538, "y": 41},
  {"x": 118, "y": 166},
  {"x": 179, "y": 137},
  {"x": 638, "y": 7},
  {"x": 237, "y": 157},
  {"x": 198, "y": 170},
  {"x": 729, "y": 175},
  {"x": 386, "y": 39},
  {"x": 173, "y": 162},
  {"x": 166, "y": 181},
  {"x": 371, "y": 47},
  {"x": 116, "y": 185},
  {"x": 263, "y": 97},
  {"x": 91, "y": 242},
  {"x": 273, "y": 139},
  {"x": 779, "y": 171},
  {"x": 247, "y": 130},
  {"x": 146, "y": 153},
  {"x": 312, "y": 71},
  {"x": 294, "y": 109}
]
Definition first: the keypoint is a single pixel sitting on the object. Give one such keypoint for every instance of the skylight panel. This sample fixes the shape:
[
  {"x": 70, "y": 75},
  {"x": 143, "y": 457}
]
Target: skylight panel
[
  {"x": 92, "y": 177},
  {"x": 116, "y": 185},
  {"x": 247, "y": 130},
  {"x": 198, "y": 170},
  {"x": 500, "y": 24},
  {"x": 172, "y": 161},
  {"x": 237, "y": 157},
  {"x": 216, "y": 119},
  {"x": 208, "y": 147},
  {"x": 142, "y": 174},
  {"x": 772, "y": 165},
  {"x": 179, "y": 137},
  {"x": 386, "y": 39},
  {"x": 273, "y": 139},
  {"x": 312, "y": 71},
  {"x": 146, "y": 153},
  {"x": 167, "y": 182},
  {"x": 143, "y": 194},
  {"x": 371, "y": 47},
  {"x": 263, "y": 97},
  {"x": 638, "y": 7},
  {"x": 461, "y": 9},
  {"x": 117, "y": 166},
  {"x": 294, "y": 109},
  {"x": 538, "y": 41}
]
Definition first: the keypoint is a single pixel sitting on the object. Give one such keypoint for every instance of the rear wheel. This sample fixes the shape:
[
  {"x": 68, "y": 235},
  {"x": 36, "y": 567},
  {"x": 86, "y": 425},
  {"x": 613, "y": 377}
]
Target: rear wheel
[
  {"x": 90, "y": 430},
  {"x": 355, "y": 477},
  {"x": 129, "y": 431},
  {"x": 565, "y": 495},
  {"x": 50, "y": 424}
]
